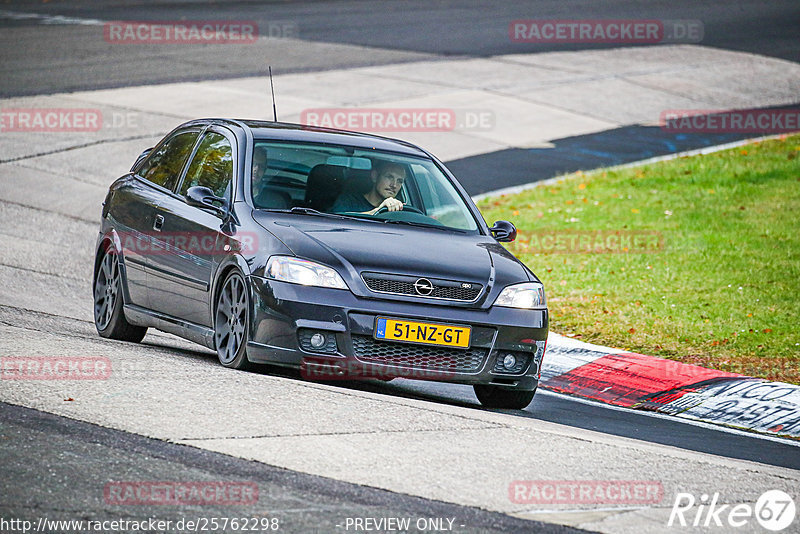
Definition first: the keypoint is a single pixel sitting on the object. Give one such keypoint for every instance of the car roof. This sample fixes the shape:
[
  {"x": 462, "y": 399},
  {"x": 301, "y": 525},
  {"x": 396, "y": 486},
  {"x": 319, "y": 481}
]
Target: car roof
[{"x": 286, "y": 131}]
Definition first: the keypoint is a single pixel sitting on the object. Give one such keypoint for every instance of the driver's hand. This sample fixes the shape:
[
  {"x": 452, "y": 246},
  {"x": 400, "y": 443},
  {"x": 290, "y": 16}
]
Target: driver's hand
[{"x": 392, "y": 204}]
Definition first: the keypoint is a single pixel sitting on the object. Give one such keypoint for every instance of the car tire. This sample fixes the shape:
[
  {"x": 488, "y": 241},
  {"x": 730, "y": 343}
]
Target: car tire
[
  {"x": 109, "y": 317},
  {"x": 231, "y": 320},
  {"x": 499, "y": 397}
]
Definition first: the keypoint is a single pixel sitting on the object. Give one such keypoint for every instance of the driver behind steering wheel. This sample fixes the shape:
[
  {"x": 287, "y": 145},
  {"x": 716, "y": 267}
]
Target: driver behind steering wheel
[{"x": 387, "y": 181}]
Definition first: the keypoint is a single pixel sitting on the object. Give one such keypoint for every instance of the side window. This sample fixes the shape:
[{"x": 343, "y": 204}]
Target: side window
[
  {"x": 212, "y": 166},
  {"x": 427, "y": 189},
  {"x": 164, "y": 166},
  {"x": 441, "y": 203}
]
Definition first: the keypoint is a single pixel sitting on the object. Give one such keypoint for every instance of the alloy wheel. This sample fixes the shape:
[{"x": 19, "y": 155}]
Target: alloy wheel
[
  {"x": 106, "y": 290},
  {"x": 230, "y": 323}
]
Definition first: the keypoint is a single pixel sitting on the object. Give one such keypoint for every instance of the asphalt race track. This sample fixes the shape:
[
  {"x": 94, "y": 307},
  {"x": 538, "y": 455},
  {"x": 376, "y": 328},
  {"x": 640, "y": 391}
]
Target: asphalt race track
[
  {"x": 323, "y": 454},
  {"x": 402, "y": 31},
  {"x": 80, "y": 453}
]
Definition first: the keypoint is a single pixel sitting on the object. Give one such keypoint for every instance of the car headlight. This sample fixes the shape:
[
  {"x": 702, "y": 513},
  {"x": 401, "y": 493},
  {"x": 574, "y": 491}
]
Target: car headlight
[
  {"x": 307, "y": 273},
  {"x": 528, "y": 295}
]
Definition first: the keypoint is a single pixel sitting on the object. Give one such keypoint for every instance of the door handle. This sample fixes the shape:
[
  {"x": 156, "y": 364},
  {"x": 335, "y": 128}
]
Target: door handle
[{"x": 158, "y": 223}]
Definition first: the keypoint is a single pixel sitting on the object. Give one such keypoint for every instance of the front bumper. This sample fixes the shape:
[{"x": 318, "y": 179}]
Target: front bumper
[{"x": 281, "y": 312}]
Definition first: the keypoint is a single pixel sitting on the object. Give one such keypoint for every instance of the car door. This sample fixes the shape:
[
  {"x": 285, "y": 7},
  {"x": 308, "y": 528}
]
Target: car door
[
  {"x": 135, "y": 204},
  {"x": 181, "y": 277}
]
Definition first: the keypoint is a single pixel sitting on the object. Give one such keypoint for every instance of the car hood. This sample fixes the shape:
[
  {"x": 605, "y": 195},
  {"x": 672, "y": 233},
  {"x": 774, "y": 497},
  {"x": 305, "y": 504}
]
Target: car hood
[{"x": 354, "y": 247}]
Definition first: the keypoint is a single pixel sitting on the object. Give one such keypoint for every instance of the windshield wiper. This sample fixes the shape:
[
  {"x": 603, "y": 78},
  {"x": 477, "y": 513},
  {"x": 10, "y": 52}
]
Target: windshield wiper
[
  {"x": 424, "y": 225},
  {"x": 317, "y": 213},
  {"x": 310, "y": 211}
]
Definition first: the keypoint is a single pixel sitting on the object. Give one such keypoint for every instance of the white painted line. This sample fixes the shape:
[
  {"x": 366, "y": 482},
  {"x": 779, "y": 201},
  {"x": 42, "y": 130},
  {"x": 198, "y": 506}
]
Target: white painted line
[
  {"x": 566, "y": 342},
  {"x": 585, "y": 510},
  {"x": 60, "y": 20},
  {"x": 647, "y": 413},
  {"x": 49, "y": 19}
]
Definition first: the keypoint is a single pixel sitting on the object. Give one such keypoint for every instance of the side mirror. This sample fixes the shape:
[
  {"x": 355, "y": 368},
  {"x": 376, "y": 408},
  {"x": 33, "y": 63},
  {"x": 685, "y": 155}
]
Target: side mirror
[
  {"x": 140, "y": 159},
  {"x": 504, "y": 231},
  {"x": 203, "y": 197}
]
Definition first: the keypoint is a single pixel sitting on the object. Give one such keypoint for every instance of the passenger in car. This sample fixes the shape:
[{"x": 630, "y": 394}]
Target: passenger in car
[
  {"x": 259, "y": 169},
  {"x": 387, "y": 181},
  {"x": 263, "y": 195}
]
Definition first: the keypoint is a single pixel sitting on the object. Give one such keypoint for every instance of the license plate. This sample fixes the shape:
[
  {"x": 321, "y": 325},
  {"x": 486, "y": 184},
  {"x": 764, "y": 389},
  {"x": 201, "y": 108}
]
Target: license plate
[{"x": 446, "y": 335}]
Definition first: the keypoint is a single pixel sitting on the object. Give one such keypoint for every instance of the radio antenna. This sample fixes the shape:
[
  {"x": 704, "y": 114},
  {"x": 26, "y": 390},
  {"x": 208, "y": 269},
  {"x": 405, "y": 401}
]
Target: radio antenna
[{"x": 272, "y": 87}]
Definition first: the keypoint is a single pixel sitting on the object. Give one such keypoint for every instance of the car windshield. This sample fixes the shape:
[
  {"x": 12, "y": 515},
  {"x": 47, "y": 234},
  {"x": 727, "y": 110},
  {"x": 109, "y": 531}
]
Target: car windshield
[{"x": 354, "y": 181}]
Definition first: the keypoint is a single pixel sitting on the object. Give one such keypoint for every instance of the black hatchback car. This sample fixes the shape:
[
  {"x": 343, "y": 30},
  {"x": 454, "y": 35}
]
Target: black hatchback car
[{"x": 342, "y": 254}]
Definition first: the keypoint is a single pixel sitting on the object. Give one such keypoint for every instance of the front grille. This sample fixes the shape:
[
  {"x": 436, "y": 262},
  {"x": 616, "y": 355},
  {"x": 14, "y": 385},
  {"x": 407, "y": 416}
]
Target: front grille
[
  {"x": 369, "y": 350},
  {"x": 404, "y": 285},
  {"x": 390, "y": 286}
]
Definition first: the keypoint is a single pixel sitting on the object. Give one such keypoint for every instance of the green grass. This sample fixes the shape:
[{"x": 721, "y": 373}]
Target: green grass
[{"x": 723, "y": 289}]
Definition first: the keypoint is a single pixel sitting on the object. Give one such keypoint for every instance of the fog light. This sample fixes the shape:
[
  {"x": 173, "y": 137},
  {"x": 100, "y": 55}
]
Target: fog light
[
  {"x": 509, "y": 361},
  {"x": 318, "y": 340}
]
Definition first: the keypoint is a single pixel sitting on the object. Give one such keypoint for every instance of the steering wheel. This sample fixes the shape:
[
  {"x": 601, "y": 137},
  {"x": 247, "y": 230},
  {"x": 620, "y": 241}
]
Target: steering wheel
[{"x": 406, "y": 207}]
